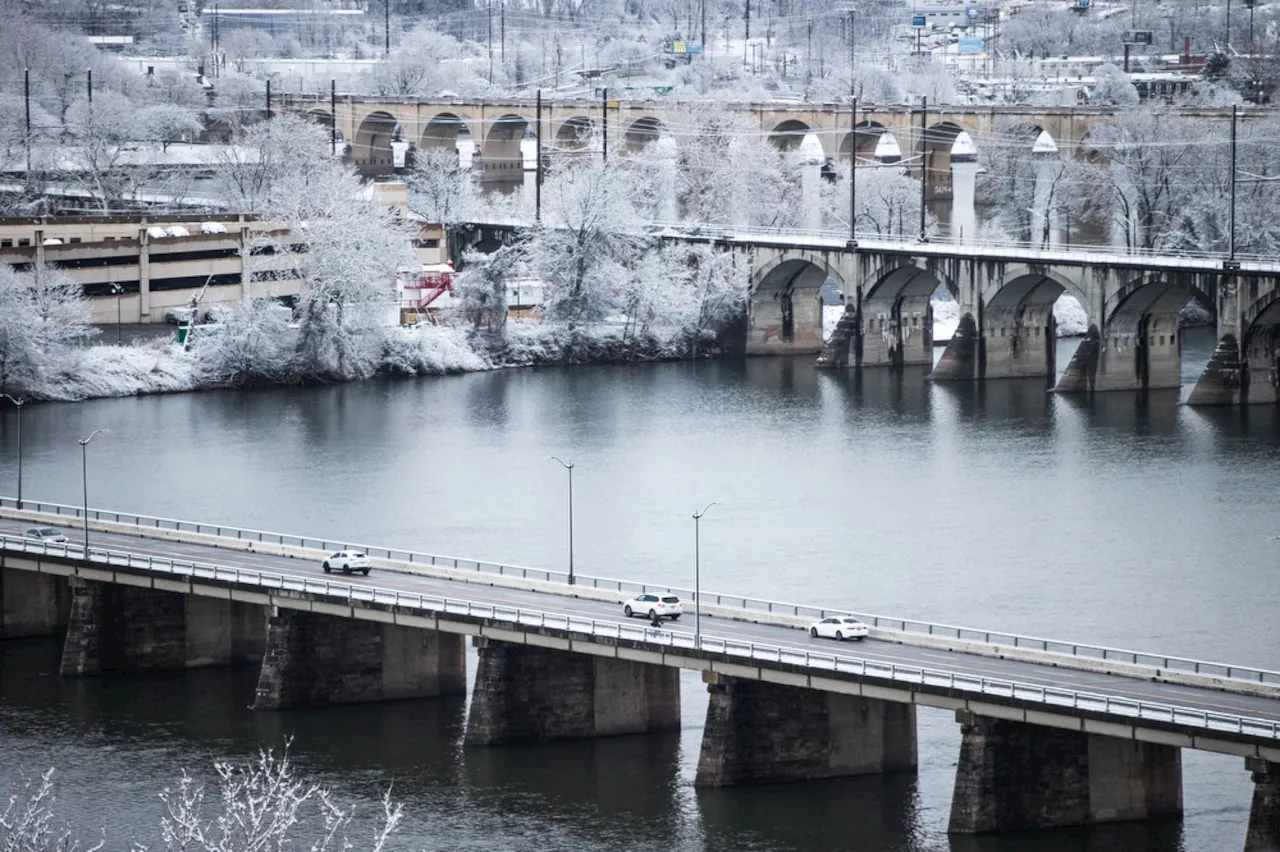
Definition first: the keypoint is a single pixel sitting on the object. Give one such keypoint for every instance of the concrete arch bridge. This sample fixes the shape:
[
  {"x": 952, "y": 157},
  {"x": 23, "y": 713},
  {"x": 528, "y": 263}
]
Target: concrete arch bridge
[
  {"x": 1006, "y": 297},
  {"x": 496, "y": 128}
]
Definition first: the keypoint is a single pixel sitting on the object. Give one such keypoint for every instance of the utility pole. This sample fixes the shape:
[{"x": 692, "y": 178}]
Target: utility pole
[
  {"x": 26, "y": 101},
  {"x": 268, "y": 99},
  {"x": 853, "y": 175},
  {"x": 704, "y": 26},
  {"x": 1231, "y": 244},
  {"x": 333, "y": 115},
  {"x": 746, "y": 40},
  {"x": 90, "y": 87},
  {"x": 537, "y": 179},
  {"x": 604, "y": 123},
  {"x": 852, "y": 87},
  {"x": 489, "y": 8},
  {"x": 386, "y": 27},
  {"x": 924, "y": 160},
  {"x": 502, "y": 20}
]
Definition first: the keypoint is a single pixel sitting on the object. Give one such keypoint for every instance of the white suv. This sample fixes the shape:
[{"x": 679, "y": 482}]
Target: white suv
[
  {"x": 347, "y": 561},
  {"x": 653, "y": 606}
]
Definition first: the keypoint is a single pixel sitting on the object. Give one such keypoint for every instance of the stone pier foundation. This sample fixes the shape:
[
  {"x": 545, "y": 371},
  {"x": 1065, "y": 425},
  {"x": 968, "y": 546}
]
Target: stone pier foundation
[
  {"x": 314, "y": 660},
  {"x": 759, "y": 732},
  {"x": 524, "y": 693},
  {"x": 32, "y": 604},
  {"x": 896, "y": 333},
  {"x": 1264, "y": 814},
  {"x": 1223, "y": 380},
  {"x": 1144, "y": 355},
  {"x": 1021, "y": 341},
  {"x": 115, "y": 628},
  {"x": 1014, "y": 776},
  {"x": 963, "y": 357}
]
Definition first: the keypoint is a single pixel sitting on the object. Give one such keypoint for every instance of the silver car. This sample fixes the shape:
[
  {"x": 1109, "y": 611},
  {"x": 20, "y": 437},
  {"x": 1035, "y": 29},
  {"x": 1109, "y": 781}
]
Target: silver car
[{"x": 45, "y": 534}]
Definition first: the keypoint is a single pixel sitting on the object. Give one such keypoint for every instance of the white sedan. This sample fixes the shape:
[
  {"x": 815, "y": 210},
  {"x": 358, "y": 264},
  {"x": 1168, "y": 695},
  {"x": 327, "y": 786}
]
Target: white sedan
[
  {"x": 653, "y": 606},
  {"x": 839, "y": 627}
]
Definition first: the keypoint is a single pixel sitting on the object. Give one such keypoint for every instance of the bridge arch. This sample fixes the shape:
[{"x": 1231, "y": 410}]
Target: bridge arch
[
  {"x": 1156, "y": 294},
  {"x": 933, "y": 156},
  {"x": 1024, "y": 285},
  {"x": 1260, "y": 348},
  {"x": 788, "y": 135},
  {"x": 443, "y": 131},
  {"x": 371, "y": 150},
  {"x": 575, "y": 134},
  {"x": 894, "y": 303},
  {"x": 641, "y": 132},
  {"x": 501, "y": 152},
  {"x": 785, "y": 313},
  {"x": 867, "y": 135}
]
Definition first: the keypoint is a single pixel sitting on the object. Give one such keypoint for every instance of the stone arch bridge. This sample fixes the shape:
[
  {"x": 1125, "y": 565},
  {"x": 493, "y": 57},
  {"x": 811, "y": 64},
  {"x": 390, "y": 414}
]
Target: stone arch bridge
[
  {"x": 1006, "y": 301},
  {"x": 569, "y": 128}
]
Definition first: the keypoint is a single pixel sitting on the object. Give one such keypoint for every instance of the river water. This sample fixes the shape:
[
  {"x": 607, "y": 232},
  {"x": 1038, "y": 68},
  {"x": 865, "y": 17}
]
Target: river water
[{"x": 1128, "y": 520}]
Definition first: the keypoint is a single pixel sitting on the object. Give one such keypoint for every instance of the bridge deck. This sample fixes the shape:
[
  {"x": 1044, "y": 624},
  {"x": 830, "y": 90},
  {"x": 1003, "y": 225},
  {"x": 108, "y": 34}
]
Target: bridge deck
[{"x": 719, "y": 632}]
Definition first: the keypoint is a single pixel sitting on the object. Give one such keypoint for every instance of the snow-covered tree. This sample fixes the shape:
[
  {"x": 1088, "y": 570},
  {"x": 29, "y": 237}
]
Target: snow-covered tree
[
  {"x": 588, "y": 236},
  {"x": 440, "y": 189},
  {"x": 28, "y": 823},
  {"x": 43, "y": 316},
  {"x": 269, "y": 156},
  {"x": 1112, "y": 87},
  {"x": 481, "y": 287},
  {"x": 252, "y": 343}
]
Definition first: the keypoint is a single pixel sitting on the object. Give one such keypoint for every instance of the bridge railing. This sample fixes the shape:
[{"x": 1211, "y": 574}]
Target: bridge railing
[
  {"x": 873, "y": 239},
  {"x": 749, "y": 605},
  {"x": 350, "y": 593}
]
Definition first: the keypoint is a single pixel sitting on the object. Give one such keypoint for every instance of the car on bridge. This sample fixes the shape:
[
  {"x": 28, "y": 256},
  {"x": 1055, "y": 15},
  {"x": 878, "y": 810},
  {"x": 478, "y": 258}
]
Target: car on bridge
[
  {"x": 348, "y": 562},
  {"x": 653, "y": 606},
  {"x": 45, "y": 534},
  {"x": 839, "y": 627}
]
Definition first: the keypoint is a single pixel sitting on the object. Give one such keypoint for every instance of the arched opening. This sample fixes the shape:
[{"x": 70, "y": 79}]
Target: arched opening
[
  {"x": 865, "y": 136},
  {"x": 320, "y": 117},
  {"x": 371, "y": 152},
  {"x": 576, "y": 134},
  {"x": 788, "y": 135},
  {"x": 1144, "y": 333},
  {"x": 933, "y": 155},
  {"x": 641, "y": 133},
  {"x": 887, "y": 150},
  {"x": 1260, "y": 349},
  {"x": 786, "y": 307},
  {"x": 1020, "y": 326},
  {"x": 502, "y": 159},
  {"x": 896, "y": 322},
  {"x": 445, "y": 131}
]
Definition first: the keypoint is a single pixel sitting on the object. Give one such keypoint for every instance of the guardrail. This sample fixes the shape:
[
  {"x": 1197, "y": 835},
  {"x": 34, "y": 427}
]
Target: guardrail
[
  {"x": 916, "y": 627},
  {"x": 349, "y": 593},
  {"x": 944, "y": 244}
]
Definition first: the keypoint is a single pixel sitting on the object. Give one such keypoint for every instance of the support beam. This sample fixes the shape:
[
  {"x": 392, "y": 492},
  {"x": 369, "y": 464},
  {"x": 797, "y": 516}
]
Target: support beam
[
  {"x": 1014, "y": 776},
  {"x": 116, "y": 628},
  {"x": 525, "y": 693},
  {"x": 759, "y": 732},
  {"x": 32, "y": 604},
  {"x": 315, "y": 660}
]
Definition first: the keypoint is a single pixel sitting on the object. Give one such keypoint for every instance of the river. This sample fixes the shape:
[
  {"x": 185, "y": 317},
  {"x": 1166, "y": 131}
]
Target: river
[{"x": 1128, "y": 520}]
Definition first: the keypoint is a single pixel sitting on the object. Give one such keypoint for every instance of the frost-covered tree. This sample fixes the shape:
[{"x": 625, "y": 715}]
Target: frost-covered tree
[
  {"x": 588, "y": 236},
  {"x": 440, "y": 189},
  {"x": 28, "y": 822},
  {"x": 267, "y": 158},
  {"x": 102, "y": 132},
  {"x": 252, "y": 343},
  {"x": 1112, "y": 87},
  {"x": 481, "y": 287},
  {"x": 43, "y": 316},
  {"x": 345, "y": 251}
]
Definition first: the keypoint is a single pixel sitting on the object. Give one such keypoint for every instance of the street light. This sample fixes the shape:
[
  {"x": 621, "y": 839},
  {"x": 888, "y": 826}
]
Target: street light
[
  {"x": 697, "y": 576},
  {"x": 116, "y": 289},
  {"x": 569, "y": 467},
  {"x": 19, "y": 403},
  {"x": 84, "y": 475}
]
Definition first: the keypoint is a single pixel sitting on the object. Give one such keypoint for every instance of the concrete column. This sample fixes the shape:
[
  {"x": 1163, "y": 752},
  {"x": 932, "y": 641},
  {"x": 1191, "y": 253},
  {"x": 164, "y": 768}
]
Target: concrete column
[
  {"x": 246, "y": 263},
  {"x": 32, "y": 604},
  {"x": 314, "y": 660},
  {"x": 1020, "y": 341},
  {"x": 1015, "y": 776},
  {"x": 897, "y": 331},
  {"x": 1082, "y": 373},
  {"x": 525, "y": 693},
  {"x": 1264, "y": 813},
  {"x": 1223, "y": 380},
  {"x": 1261, "y": 376},
  {"x": 144, "y": 273},
  {"x": 759, "y": 732},
  {"x": 128, "y": 629}
]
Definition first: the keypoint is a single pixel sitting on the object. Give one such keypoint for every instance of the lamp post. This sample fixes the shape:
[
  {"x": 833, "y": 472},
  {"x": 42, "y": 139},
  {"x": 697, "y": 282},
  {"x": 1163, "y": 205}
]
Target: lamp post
[
  {"x": 117, "y": 290},
  {"x": 84, "y": 476},
  {"x": 697, "y": 575},
  {"x": 569, "y": 467},
  {"x": 18, "y": 403}
]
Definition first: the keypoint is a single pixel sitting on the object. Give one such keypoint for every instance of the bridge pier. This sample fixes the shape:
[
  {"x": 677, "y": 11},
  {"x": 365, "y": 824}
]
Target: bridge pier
[
  {"x": 528, "y": 693},
  {"x": 1264, "y": 813},
  {"x": 1020, "y": 341},
  {"x": 1015, "y": 776},
  {"x": 313, "y": 660},
  {"x": 896, "y": 332},
  {"x": 32, "y": 604},
  {"x": 130, "y": 628},
  {"x": 758, "y": 732}
]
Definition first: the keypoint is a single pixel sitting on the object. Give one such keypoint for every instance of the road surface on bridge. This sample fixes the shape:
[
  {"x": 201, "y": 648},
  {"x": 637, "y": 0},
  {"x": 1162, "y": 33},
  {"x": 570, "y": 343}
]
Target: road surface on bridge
[{"x": 878, "y": 650}]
